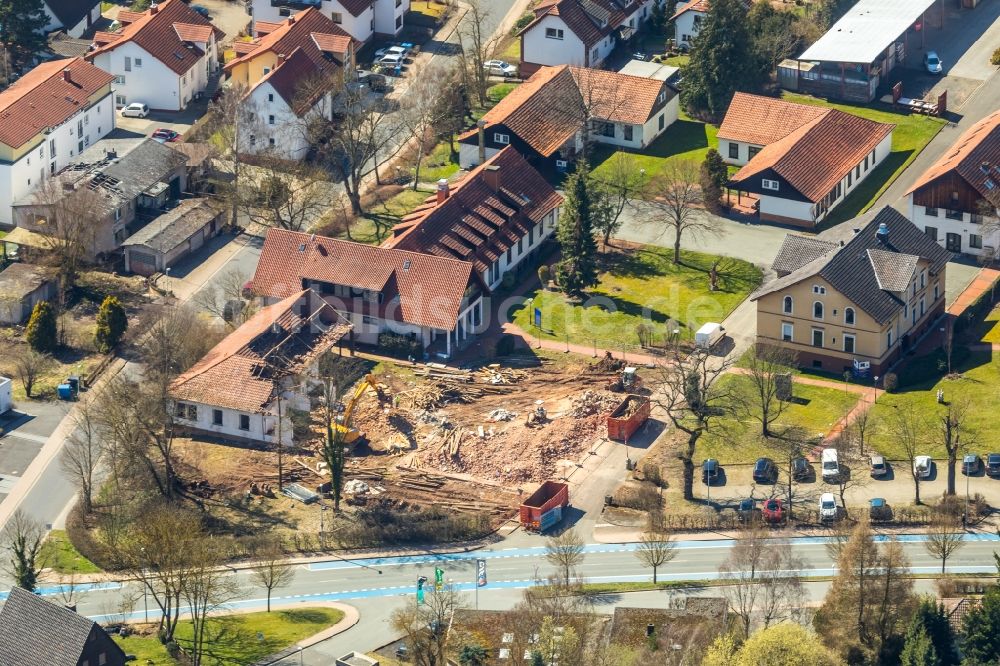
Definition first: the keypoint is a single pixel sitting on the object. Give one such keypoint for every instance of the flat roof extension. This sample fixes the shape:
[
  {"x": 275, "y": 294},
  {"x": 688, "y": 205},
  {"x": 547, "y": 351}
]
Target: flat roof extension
[{"x": 866, "y": 30}]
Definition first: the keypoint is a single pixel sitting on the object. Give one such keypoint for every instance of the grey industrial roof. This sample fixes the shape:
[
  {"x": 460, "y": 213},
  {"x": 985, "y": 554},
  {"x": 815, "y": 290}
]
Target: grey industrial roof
[
  {"x": 36, "y": 632},
  {"x": 850, "y": 269},
  {"x": 866, "y": 30},
  {"x": 175, "y": 226},
  {"x": 797, "y": 251}
]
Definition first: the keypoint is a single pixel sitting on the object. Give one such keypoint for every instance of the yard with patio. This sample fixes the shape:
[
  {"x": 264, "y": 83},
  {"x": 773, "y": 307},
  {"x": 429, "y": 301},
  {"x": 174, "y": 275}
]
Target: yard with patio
[
  {"x": 685, "y": 140},
  {"x": 641, "y": 285}
]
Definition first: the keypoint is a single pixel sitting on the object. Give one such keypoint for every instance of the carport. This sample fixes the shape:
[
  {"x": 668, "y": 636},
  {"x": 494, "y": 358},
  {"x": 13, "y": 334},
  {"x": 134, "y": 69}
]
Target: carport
[{"x": 856, "y": 55}]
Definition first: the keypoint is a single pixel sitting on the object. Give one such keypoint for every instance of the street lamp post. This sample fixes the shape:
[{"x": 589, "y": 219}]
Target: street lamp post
[
  {"x": 876, "y": 389},
  {"x": 965, "y": 516},
  {"x": 145, "y": 605}
]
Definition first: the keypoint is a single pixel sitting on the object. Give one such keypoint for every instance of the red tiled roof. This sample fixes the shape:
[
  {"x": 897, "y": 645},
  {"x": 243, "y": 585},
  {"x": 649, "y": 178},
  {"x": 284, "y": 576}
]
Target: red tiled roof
[
  {"x": 243, "y": 48},
  {"x": 193, "y": 33},
  {"x": 691, "y": 6},
  {"x": 818, "y": 155},
  {"x": 544, "y": 111},
  {"x": 430, "y": 289},
  {"x": 576, "y": 19},
  {"x": 475, "y": 221},
  {"x": 356, "y": 7},
  {"x": 762, "y": 120},
  {"x": 240, "y": 372},
  {"x": 125, "y": 16},
  {"x": 43, "y": 98},
  {"x": 155, "y": 33},
  {"x": 975, "y": 157},
  {"x": 305, "y": 40},
  {"x": 101, "y": 38},
  {"x": 264, "y": 27}
]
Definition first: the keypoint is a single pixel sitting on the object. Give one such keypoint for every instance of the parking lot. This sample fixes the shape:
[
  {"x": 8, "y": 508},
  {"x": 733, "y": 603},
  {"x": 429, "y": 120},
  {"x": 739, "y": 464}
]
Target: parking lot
[{"x": 736, "y": 483}]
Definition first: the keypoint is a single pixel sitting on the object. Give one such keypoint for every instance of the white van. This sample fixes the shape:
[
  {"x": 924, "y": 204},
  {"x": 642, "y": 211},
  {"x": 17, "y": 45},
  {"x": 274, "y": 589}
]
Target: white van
[
  {"x": 831, "y": 465},
  {"x": 708, "y": 335}
]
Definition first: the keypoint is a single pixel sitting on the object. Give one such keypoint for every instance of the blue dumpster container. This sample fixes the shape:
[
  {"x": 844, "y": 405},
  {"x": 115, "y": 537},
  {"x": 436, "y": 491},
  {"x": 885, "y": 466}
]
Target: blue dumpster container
[{"x": 65, "y": 391}]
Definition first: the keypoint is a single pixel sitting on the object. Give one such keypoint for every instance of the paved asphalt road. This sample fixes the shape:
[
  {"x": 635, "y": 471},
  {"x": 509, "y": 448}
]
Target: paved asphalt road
[{"x": 509, "y": 569}]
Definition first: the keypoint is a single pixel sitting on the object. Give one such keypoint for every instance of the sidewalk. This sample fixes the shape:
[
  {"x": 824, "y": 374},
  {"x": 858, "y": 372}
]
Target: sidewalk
[{"x": 982, "y": 283}]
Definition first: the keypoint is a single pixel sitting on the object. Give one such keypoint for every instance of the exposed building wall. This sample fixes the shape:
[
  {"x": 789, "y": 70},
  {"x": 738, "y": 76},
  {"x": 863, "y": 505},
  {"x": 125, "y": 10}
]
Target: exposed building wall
[
  {"x": 687, "y": 27},
  {"x": 389, "y": 16},
  {"x": 537, "y": 49}
]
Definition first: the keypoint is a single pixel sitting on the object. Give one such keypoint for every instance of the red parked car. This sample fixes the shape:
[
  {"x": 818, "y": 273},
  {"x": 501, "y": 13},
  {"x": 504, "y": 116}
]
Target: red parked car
[
  {"x": 164, "y": 135},
  {"x": 773, "y": 511}
]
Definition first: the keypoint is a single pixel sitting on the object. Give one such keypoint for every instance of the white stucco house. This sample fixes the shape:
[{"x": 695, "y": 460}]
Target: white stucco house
[
  {"x": 582, "y": 33},
  {"x": 292, "y": 74},
  {"x": 544, "y": 120},
  {"x": 73, "y": 16},
  {"x": 688, "y": 19},
  {"x": 957, "y": 200},
  {"x": 799, "y": 162},
  {"x": 49, "y": 116},
  {"x": 163, "y": 57},
  {"x": 361, "y": 19},
  {"x": 236, "y": 391}
]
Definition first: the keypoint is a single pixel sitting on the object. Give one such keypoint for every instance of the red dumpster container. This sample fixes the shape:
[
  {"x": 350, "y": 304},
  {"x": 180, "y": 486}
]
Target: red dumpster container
[
  {"x": 628, "y": 417},
  {"x": 543, "y": 508}
]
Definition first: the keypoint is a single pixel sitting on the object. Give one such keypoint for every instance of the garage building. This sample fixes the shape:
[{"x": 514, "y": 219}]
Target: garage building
[{"x": 172, "y": 236}]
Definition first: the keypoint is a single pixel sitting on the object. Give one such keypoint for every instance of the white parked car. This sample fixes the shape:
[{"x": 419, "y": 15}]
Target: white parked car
[
  {"x": 391, "y": 60},
  {"x": 831, "y": 465},
  {"x": 392, "y": 50},
  {"x": 827, "y": 507},
  {"x": 922, "y": 466},
  {"x": 932, "y": 62},
  {"x": 500, "y": 68},
  {"x": 136, "y": 110}
]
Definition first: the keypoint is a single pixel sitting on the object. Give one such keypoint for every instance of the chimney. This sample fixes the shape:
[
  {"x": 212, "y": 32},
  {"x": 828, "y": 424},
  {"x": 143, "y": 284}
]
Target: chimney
[
  {"x": 442, "y": 191},
  {"x": 291, "y": 20},
  {"x": 281, "y": 56},
  {"x": 111, "y": 154},
  {"x": 491, "y": 175},
  {"x": 481, "y": 124},
  {"x": 883, "y": 233},
  {"x": 153, "y": 9},
  {"x": 67, "y": 75}
]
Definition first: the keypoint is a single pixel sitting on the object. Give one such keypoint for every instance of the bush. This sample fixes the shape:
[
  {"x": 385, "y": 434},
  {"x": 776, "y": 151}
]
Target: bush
[
  {"x": 995, "y": 58},
  {"x": 543, "y": 275},
  {"x": 505, "y": 345},
  {"x": 891, "y": 382},
  {"x": 384, "y": 523},
  {"x": 41, "y": 333},
  {"x": 400, "y": 346},
  {"x": 111, "y": 324},
  {"x": 527, "y": 17}
]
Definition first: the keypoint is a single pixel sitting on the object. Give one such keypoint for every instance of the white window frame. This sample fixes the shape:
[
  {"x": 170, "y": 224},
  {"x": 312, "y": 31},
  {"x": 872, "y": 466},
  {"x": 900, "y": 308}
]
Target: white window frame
[
  {"x": 768, "y": 184},
  {"x": 854, "y": 343},
  {"x": 853, "y": 319},
  {"x": 822, "y": 338},
  {"x": 554, "y": 33},
  {"x": 822, "y": 310},
  {"x": 787, "y": 329},
  {"x": 503, "y": 139},
  {"x": 788, "y": 305}
]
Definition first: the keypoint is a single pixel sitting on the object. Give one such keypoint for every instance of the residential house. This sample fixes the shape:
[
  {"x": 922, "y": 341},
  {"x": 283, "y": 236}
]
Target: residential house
[
  {"x": 544, "y": 117},
  {"x": 687, "y": 21},
  {"x": 436, "y": 300},
  {"x": 165, "y": 56},
  {"x": 117, "y": 187},
  {"x": 6, "y": 395},
  {"x": 292, "y": 73},
  {"x": 22, "y": 287},
  {"x": 956, "y": 201},
  {"x": 74, "y": 16},
  {"x": 799, "y": 163},
  {"x": 497, "y": 217},
  {"x": 46, "y": 117},
  {"x": 854, "y": 297},
  {"x": 361, "y": 19},
  {"x": 244, "y": 388},
  {"x": 582, "y": 33},
  {"x": 858, "y": 52},
  {"x": 37, "y": 632},
  {"x": 173, "y": 235}
]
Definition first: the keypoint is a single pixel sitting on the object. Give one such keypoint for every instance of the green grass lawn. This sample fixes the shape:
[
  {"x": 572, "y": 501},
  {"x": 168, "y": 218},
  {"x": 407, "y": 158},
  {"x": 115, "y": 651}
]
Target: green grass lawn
[
  {"x": 814, "y": 409},
  {"x": 912, "y": 133},
  {"x": 685, "y": 140},
  {"x": 59, "y": 554},
  {"x": 988, "y": 330},
  {"x": 435, "y": 9},
  {"x": 439, "y": 163},
  {"x": 236, "y": 639},
  {"x": 978, "y": 385},
  {"x": 642, "y": 286}
]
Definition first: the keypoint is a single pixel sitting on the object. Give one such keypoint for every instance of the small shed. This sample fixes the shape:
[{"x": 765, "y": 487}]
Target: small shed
[
  {"x": 22, "y": 286},
  {"x": 172, "y": 236}
]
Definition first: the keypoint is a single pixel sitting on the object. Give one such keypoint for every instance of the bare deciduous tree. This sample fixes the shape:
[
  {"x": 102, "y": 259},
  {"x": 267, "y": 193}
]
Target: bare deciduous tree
[
  {"x": 478, "y": 46},
  {"x": 761, "y": 575},
  {"x": 22, "y": 539},
  {"x": 764, "y": 368},
  {"x": 279, "y": 193},
  {"x": 421, "y": 109},
  {"x": 907, "y": 427},
  {"x": 688, "y": 390},
  {"x": 565, "y": 553},
  {"x": 272, "y": 571},
  {"x": 955, "y": 434},
  {"x": 679, "y": 204},
  {"x": 82, "y": 451},
  {"x": 656, "y": 549},
  {"x": 232, "y": 119},
  {"x": 620, "y": 181},
  {"x": 29, "y": 365},
  {"x": 228, "y": 299},
  {"x": 207, "y": 586},
  {"x": 944, "y": 538},
  {"x": 425, "y": 627},
  {"x": 860, "y": 429}
]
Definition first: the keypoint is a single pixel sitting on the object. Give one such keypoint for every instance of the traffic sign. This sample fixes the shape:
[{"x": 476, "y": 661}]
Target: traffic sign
[
  {"x": 438, "y": 578},
  {"x": 480, "y": 573}
]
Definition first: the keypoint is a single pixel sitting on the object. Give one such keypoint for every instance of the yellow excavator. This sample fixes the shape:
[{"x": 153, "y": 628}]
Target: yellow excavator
[{"x": 349, "y": 433}]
